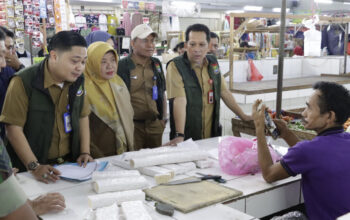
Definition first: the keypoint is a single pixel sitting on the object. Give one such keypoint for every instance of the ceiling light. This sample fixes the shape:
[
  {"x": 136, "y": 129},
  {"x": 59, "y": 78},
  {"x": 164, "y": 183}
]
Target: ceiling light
[
  {"x": 347, "y": 3},
  {"x": 235, "y": 11},
  {"x": 252, "y": 8},
  {"x": 279, "y": 10},
  {"x": 324, "y": 1},
  {"x": 182, "y": 4}
]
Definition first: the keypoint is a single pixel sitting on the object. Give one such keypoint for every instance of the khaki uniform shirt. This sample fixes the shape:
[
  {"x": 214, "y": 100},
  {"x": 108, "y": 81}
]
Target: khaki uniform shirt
[
  {"x": 141, "y": 83},
  {"x": 175, "y": 88},
  {"x": 16, "y": 107}
]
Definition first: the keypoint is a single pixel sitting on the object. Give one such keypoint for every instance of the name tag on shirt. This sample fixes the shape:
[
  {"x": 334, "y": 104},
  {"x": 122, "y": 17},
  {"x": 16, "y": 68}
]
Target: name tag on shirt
[
  {"x": 154, "y": 92},
  {"x": 67, "y": 122}
]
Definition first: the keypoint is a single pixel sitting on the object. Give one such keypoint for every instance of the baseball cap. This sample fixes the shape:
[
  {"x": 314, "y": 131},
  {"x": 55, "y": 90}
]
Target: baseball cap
[{"x": 142, "y": 31}]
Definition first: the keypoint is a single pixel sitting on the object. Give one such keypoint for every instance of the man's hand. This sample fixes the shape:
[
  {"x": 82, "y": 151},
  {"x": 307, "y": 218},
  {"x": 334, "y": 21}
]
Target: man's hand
[
  {"x": 174, "y": 141},
  {"x": 259, "y": 116},
  {"x": 51, "y": 202},
  {"x": 46, "y": 173},
  {"x": 84, "y": 158},
  {"x": 282, "y": 127},
  {"x": 13, "y": 61}
]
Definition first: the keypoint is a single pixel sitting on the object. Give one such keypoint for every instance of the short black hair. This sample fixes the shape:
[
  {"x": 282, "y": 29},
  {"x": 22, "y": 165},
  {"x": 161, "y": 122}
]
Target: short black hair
[
  {"x": 179, "y": 46},
  {"x": 7, "y": 32},
  {"x": 2, "y": 35},
  {"x": 198, "y": 28},
  {"x": 65, "y": 40},
  {"x": 334, "y": 97},
  {"x": 213, "y": 35}
]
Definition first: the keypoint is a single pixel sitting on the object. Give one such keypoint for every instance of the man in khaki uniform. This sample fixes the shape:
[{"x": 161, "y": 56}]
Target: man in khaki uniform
[
  {"x": 144, "y": 77},
  {"x": 46, "y": 111},
  {"x": 194, "y": 87}
]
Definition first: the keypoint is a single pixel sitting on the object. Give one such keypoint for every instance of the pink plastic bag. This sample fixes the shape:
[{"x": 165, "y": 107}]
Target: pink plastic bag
[
  {"x": 239, "y": 156},
  {"x": 253, "y": 72}
]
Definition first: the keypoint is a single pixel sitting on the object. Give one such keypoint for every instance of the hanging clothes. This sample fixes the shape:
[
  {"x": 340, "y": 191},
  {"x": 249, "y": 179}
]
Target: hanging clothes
[
  {"x": 333, "y": 39},
  {"x": 127, "y": 23},
  {"x": 80, "y": 21},
  {"x": 102, "y": 22},
  {"x": 136, "y": 20}
]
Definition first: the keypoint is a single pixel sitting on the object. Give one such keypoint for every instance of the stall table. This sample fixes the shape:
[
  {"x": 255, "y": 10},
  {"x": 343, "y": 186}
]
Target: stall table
[{"x": 258, "y": 199}]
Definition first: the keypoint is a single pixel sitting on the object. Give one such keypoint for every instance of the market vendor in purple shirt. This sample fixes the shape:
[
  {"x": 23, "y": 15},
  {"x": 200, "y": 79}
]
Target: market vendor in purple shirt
[{"x": 323, "y": 162}]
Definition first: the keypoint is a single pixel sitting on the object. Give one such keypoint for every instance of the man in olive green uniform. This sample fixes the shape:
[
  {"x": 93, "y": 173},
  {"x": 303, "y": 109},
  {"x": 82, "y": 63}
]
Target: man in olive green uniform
[
  {"x": 46, "y": 111},
  {"x": 194, "y": 87},
  {"x": 144, "y": 77}
]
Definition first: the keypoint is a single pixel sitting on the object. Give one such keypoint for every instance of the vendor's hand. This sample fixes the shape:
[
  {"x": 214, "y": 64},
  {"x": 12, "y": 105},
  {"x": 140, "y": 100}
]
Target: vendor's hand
[
  {"x": 282, "y": 127},
  {"x": 174, "y": 141},
  {"x": 13, "y": 61},
  {"x": 15, "y": 171},
  {"x": 247, "y": 118},
  {"x": 46, "y": 173},
  {"x": 259, "y": 116},
  {"x": 51, "y": 202},
  {"x": 83, "y": 159}
]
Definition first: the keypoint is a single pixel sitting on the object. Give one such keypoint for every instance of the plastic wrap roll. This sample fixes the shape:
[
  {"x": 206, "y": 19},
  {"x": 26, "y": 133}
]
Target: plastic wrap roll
[
  {"x": 135, "y": 210},
  {"x": 106, "y": 199},
  {"x": 121, "y": 163},
  {"x": 202, "y": 164},
  {"x": 155, "y": 170},
  {"x": 114, "y": 174},
  {"x": 178, "y": 157},
  {"x": 156, "y": 151},
  {"x": 109, "y": 212},
  {"x": 120, "y": 184}
]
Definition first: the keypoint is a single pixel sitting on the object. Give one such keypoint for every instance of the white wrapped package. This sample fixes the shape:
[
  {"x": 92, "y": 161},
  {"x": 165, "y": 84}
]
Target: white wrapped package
[
  {"x": 135, "y": 210},
  {"x": 174, "y": 167},
  {"x": 204, "y": 163},
  {"x": 109, "y": 212},
  {"x": 121, "y": 163},
  {"x": 188, "y": 145},
  {"x": 188, "y": 164},
  {"x": 106, "y": 199},
  {"x": 155, "y": 170},
  {"x": 120, "y": 184},
  {"x": 114, "y": 174},
  {"x": 162, "y": 178},
  {"x": 161, "y": 159}
]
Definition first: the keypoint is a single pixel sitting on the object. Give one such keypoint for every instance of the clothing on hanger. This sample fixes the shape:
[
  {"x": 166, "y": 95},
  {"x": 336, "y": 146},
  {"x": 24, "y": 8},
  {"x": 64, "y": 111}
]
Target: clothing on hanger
[{"x": 102, "y": 21}]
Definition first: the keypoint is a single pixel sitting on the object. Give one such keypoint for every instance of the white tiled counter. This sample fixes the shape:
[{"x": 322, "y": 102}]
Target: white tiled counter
[{"x": 258, "y": 199}]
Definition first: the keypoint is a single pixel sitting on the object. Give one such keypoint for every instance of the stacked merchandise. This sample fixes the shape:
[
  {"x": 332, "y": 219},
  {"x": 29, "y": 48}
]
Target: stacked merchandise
[
  {"x": 31, "y": 10},
  {"x": 3, "y": 21},
  {"x": 11, "y": 16}
]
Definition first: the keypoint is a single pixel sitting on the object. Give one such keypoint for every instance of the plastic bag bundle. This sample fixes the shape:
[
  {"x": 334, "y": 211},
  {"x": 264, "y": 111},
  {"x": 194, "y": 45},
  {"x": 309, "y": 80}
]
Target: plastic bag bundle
[
  {"x": 238, "y": 156},
  {"x": 253, "y": 72}
]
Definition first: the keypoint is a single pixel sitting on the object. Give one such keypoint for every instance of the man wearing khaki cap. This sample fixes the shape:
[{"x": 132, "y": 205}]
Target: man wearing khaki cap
[{"x": 144, "y": 77}]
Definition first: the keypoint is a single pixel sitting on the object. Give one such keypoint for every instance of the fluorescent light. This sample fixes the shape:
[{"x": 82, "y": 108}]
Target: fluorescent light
[
  {"x": 252, "y": 8},
  {"x": 324, "y": 1},
  {"x": 183, "y": 4},
  {"x": 235, "y": 11},
  {"x": 279, "y": 10},
  {"x": 347, "y": 3}
]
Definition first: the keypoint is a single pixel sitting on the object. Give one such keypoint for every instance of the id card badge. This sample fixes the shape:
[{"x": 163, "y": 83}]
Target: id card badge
[
  {"x": 211, "y": 97},
  {"x": 154, "y": 92},
  {"x": 67, "y": 122}
]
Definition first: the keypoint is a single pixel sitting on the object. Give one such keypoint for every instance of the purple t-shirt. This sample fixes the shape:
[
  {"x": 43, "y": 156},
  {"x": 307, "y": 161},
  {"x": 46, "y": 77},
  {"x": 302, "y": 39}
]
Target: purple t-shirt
[{"x": 324, "y": 164}]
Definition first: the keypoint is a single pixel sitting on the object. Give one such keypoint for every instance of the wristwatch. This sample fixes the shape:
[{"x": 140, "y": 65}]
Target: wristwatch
[
  {"x": 32, "y": 165},
  {"x": 177, "y": 134}
]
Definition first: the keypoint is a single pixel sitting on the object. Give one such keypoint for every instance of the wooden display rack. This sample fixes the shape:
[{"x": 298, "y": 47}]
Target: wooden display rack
[
  {"x": 248, "y": 127},
  {"x": 236, "y": 34}
]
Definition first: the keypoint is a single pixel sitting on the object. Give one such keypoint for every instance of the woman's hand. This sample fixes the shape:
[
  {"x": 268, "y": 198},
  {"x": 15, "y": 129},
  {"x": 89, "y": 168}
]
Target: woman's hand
[
  {"x": 84, "y": 158},
  {"x": 46, "y": 173}
]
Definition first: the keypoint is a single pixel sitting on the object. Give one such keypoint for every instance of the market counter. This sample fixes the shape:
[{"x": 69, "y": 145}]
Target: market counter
[{"x": 258, "y": 199}]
